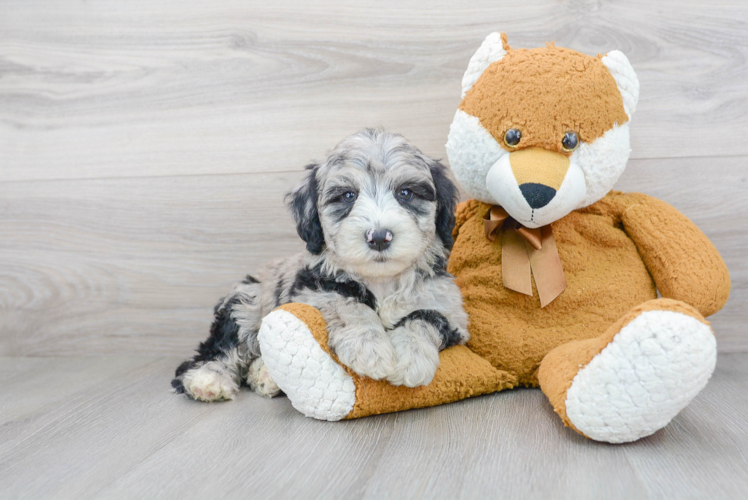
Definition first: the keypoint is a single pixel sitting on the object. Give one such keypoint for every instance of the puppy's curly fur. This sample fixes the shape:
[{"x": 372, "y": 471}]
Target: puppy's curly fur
[{"x": 377, "y": 219}]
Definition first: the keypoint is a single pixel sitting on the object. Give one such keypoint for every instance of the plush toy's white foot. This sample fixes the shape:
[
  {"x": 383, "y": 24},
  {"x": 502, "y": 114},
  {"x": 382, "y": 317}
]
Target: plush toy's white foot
[
  {"x": 260, "y": 381},
  {"x": 316, "y": 385},
  {"x": 647, "y": 374},
  {"x": 210, "y": 382}
]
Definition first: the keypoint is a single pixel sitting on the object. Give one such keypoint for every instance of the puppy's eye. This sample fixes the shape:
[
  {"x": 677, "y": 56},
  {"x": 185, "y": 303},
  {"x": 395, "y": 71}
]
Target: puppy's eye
[
  {"x": 405, "y": 194},
  {"x": 512, "y": 137},
  {"x": 349, "y": 197},
  {"x": 570, "y": 142}
]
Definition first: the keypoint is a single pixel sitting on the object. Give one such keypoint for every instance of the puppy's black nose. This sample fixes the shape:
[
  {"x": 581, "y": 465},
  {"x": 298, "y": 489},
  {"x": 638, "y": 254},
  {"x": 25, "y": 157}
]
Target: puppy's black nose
[
  {"x": 379, "y": 239},
  {"x": 537, "y": 195}
]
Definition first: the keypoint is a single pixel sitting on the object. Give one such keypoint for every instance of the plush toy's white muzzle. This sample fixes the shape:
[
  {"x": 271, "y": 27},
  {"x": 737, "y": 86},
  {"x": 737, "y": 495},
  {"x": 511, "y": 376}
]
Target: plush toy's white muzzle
[{"x": 536, "y": 202}]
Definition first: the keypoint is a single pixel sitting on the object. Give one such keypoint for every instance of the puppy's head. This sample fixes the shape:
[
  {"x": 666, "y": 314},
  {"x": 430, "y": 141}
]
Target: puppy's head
[{"x": 376, "y": 205}]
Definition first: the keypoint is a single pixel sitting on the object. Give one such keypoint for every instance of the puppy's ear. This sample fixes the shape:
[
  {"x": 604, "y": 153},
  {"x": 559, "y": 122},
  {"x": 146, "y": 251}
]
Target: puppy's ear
[
  {"x": 446, "y": 200},
  {"x": 302, "y": 202}
]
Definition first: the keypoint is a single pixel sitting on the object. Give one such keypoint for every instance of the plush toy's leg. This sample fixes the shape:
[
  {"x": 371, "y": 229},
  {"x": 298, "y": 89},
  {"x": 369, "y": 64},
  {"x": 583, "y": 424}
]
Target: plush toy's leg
[
  {"x": 293, "y": 340},
  {"x": 631, "y": 381}
]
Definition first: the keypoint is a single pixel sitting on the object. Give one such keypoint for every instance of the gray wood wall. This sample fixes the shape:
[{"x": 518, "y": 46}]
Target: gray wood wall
[{"x": 145, "y": 146}]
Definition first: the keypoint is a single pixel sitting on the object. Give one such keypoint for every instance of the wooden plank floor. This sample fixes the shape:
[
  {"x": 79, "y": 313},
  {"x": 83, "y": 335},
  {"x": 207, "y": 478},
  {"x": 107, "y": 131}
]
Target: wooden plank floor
[{"x": 109, "y": 428}]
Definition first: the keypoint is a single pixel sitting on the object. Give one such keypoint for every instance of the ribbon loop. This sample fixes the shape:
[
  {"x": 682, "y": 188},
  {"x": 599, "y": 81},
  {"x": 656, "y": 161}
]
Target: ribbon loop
[
  {"x": 493, "y": 220},
  {"x": 525, "y": 254}
]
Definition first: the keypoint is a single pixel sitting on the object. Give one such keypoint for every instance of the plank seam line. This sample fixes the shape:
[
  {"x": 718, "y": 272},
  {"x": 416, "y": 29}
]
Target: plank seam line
[{"x": 270, "y": 172}]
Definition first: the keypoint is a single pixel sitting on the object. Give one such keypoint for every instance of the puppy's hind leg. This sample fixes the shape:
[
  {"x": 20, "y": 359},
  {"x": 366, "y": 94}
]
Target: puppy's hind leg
[
  {"x": 260, "y": 381},
  {"x": 222, "y": 361}
]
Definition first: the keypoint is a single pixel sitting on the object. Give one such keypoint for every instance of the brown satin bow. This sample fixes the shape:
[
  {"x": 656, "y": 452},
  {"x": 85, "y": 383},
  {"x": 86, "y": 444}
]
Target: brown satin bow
[{"x": 526, "y": 253}]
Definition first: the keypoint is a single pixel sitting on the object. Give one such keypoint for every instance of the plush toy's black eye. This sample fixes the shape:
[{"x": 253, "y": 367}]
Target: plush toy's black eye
[
  {"x": 349, "y": 197},
  {"x": 405, "y": 194},
  {"x": 570, "y": 141},
  {"x": 512, "y": 137}
]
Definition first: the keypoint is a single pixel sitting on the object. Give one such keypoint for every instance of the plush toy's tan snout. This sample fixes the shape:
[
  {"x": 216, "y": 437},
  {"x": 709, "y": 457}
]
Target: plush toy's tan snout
[{"x": 539, "y": 174}]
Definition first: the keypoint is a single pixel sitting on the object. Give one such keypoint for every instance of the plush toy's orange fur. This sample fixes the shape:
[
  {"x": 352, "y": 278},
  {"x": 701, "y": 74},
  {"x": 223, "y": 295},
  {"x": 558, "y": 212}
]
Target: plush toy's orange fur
[{"x": 604, "y": 252}]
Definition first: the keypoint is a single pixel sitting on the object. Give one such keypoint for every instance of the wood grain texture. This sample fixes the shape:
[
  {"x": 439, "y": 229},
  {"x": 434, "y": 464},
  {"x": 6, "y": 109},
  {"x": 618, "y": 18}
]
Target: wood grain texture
[
  {"x": 119, "y": 433},
  {"x": 106, "y": 89},
  {"x": 131, "y": 265},
  {"x": 135, "y": 265}
]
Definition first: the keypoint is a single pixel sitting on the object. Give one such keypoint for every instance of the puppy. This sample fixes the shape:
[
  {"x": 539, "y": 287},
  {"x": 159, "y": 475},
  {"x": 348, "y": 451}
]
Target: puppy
[{"x": 377, "y": 218}]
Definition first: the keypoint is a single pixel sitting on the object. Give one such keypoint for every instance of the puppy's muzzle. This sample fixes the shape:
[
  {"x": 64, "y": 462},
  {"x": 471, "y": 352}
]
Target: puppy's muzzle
[{"x": 379, "y": 239}]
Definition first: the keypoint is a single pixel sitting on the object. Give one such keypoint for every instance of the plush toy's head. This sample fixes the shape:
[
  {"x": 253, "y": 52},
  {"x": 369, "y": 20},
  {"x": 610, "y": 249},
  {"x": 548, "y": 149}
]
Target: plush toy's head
[{"x": 543, "y": 131}]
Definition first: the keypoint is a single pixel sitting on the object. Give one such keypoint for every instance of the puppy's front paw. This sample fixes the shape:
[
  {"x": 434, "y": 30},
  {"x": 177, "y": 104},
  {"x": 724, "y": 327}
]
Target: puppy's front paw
[
  {"x": 368, "y": 353},
  {"x": 210, "y": 382},
  {"x": 417, "y": 359}
]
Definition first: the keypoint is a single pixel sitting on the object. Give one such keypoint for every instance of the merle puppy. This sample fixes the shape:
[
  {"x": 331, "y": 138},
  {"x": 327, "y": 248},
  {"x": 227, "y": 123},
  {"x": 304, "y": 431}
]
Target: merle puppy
[{"x": 377, "y": 218}]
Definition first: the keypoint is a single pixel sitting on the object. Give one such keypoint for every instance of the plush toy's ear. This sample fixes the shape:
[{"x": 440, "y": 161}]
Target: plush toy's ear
[
  {"x": 302, "y": 202},
  {"x": 493, "y": 48},
  {"x": 625, "y": 77},
  {"x": 446, "y": 201}
]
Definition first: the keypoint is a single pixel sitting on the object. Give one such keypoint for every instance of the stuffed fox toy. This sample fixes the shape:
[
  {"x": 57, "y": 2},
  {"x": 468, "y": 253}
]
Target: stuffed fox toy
[{"x": 559, "y": 274}]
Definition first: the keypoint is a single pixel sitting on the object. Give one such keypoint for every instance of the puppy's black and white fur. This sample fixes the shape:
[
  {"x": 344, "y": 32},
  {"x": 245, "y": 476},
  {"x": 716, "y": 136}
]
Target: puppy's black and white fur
[{"x": 377, "y": 218}]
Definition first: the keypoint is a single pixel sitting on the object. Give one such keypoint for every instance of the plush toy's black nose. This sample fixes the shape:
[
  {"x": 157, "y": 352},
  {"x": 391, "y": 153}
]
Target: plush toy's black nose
[
  {"x": 379, "y": 239},
  {"x": 537, "y": 195}
]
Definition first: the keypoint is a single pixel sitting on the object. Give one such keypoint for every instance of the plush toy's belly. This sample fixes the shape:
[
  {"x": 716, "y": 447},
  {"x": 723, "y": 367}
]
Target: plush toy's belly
[{"x": 605, "y": 279}]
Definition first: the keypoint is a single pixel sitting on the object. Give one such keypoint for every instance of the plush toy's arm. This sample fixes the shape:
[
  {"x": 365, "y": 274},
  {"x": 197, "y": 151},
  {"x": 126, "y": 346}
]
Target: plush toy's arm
[
  {"x": 685, "y": 265},
  {"x": 294, "y": 343}
]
